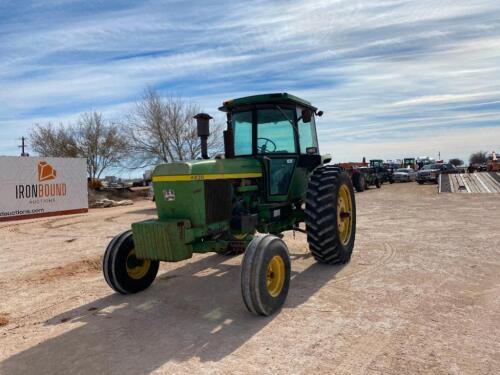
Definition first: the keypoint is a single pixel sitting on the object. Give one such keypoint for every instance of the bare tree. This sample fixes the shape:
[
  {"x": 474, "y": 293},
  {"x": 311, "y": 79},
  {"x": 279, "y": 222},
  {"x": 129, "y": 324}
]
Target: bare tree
[
  {"x": 100, "y": 142},
  {"x": 478, "y": 157},
  {"x": 162, "y": 130},
  {"x": 53, "y": 141},
  {"x": 456, "y": 162}
]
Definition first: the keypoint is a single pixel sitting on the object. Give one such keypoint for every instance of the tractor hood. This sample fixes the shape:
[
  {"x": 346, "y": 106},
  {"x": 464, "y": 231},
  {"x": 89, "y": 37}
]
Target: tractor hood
[
  {"x": 210, "y": 169},
  {"x": 199, "y": 191}
]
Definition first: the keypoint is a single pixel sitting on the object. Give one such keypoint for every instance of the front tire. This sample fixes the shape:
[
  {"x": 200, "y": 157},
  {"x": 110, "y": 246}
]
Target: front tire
[
  {"x": 330, "y": 216},
  {"x": 265, "y": 275},
  {"x": 123, "y": 271}
]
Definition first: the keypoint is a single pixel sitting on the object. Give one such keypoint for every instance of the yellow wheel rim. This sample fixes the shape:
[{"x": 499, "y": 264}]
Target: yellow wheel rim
[
  {"x": 275, "y": 275},
  {"x": 137, "y": 268},
  {"x": 344, "y": 214},
  {"x": 241, "y": 236}
]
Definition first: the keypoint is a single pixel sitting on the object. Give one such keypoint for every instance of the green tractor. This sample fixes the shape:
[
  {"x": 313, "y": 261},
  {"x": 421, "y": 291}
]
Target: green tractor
[{"x": 270, "y": 179}]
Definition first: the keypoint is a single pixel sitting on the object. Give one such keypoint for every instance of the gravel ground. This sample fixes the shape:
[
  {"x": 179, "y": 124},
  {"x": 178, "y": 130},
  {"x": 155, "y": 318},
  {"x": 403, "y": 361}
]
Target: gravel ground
[{"x": 421, "y": 295}]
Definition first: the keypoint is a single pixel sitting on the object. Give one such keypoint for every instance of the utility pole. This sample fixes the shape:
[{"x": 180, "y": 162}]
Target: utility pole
[
  {"x": 23, "y": 147},
  {"x": 439, "y": 155}
]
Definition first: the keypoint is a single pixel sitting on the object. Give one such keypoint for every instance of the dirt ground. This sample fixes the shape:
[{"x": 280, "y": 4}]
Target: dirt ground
[{"x": 421, "y": 295}]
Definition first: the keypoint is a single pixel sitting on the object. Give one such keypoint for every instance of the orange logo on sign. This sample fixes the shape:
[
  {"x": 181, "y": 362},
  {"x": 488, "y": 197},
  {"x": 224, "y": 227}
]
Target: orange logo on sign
[{"x": 45, "y": 171}]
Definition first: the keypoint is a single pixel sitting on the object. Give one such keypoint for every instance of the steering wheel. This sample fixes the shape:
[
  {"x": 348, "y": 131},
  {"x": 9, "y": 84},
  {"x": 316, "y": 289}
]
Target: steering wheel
[{"x": 263, "y": 147}]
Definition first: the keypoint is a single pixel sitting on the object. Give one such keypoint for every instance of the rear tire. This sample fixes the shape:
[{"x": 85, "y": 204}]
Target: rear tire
[
  {"x": 420, "y": 182},
  {"x": 359, "y": 182},
  {"x": 377, "y": 183},
  {"x": 330, "y": 207},
  {"x": 265, "y": 275},
  {"x": 123, "y": 271}
]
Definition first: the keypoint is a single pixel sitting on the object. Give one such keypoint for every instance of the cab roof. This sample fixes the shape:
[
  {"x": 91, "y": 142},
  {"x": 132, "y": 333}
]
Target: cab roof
[{"x": 275, "y": 98}]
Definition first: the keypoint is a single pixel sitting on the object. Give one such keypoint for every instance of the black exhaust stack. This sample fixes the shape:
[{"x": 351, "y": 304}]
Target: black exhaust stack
[{"x": 203, "y": 128}]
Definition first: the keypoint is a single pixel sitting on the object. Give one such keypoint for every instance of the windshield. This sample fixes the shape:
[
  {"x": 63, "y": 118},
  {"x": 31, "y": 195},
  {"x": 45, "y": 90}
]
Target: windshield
[
  {"x": 431, "y": 166},
  {"x": 274, "y": 131}
]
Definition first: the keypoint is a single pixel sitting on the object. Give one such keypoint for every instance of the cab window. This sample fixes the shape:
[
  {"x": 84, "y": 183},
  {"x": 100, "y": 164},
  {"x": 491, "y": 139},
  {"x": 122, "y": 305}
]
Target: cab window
[
  {"x": 307, "y": 133},
  {"x": 275, "y": 132},
  {"x": 242, "y": 128}
]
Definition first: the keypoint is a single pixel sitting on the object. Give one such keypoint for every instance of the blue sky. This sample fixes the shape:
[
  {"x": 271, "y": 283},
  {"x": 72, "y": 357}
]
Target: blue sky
[{"x": 395, "y": 78}]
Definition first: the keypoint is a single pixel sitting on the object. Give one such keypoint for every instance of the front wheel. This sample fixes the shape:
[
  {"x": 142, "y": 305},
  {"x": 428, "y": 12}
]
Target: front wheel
[
  {"x": 265, "y": 275},
  {"x": 123, "y": 271}
]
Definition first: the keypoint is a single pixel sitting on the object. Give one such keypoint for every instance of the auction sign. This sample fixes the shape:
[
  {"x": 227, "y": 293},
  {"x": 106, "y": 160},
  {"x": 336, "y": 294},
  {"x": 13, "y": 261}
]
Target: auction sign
[{"x": 37, "y": 187}]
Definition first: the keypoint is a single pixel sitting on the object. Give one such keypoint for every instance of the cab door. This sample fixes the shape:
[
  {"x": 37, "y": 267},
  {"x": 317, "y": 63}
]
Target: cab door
[{"x": 276, "y": 144}]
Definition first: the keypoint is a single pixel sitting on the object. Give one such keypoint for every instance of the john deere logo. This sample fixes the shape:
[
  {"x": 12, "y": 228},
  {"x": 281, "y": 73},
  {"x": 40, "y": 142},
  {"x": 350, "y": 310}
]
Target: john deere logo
[
  {"x": 45, "y": 171},
  {"x": 169, "y": 195}
]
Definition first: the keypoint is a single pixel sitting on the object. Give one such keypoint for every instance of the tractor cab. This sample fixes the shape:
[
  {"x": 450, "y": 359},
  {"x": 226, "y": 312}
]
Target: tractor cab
[{"x": 280, "y": 131}]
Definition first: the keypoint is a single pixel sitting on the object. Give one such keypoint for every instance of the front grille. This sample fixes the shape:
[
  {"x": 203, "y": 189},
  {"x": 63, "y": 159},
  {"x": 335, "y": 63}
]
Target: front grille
[{"x": 218, "y": 200}]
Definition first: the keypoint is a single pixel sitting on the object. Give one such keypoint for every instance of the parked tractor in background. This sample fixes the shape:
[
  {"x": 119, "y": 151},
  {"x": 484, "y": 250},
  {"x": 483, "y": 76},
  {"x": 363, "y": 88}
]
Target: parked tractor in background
[
  {"x": 383, "y": 174},
  {"x": 410, "y": 163},
  {"x": 357, "y": 177},
  {"x": 371, "y": 177},
  {"x": 272, "y": 178},
  {"x": 424, "y": 160}
]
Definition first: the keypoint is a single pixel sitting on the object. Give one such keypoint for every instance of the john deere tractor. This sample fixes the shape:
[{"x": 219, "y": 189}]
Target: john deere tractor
[{"x": 270, "y": 179}]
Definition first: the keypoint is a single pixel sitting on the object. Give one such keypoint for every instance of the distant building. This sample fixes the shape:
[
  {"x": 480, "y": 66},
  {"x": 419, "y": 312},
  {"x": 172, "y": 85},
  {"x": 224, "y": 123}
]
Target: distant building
[{"x": 111, "y": 179}]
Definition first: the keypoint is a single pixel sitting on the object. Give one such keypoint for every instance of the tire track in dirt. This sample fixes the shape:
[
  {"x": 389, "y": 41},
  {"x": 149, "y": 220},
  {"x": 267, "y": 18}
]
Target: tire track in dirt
[
  {"x": 353, "y": 273},
  {"x": 83, "y": 266},
  {"x": 361, "y": 356},
  {"x": 39, "y": 221},
  {"x": 4, "y": 319},
  {"x": 112, "y": 219},
  {"x": 50, "y": 224},
  {"x": 45, "y": 224},
  {"x": 80, "y": 267},
  {"x": 24, "y": 320}
]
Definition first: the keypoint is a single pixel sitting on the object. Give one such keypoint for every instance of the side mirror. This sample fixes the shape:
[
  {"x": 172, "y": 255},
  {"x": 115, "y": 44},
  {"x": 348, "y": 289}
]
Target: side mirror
[
  {"x": 319, "y": 113},
  {"x": 306, "y": 115},
  {"x": 311, "y": 150}
]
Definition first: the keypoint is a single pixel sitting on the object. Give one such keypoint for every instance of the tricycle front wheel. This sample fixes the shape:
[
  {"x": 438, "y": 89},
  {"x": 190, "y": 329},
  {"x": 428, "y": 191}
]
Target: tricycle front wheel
[
  {"x": 123, "y": 271},
  {"x": 265, "y": 275}
]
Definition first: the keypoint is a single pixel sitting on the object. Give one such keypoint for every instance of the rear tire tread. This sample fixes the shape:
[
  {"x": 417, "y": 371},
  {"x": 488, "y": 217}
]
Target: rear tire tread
[{"x": 321, "y": 216}]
